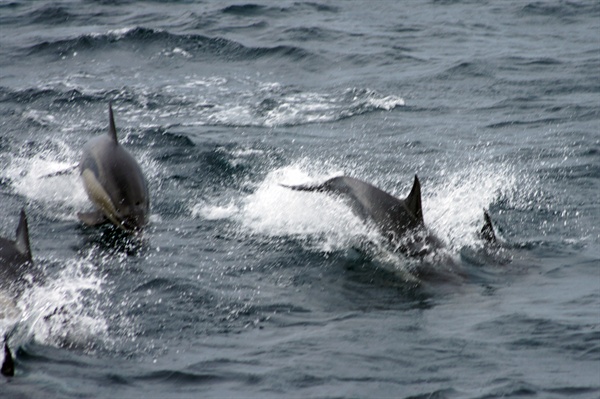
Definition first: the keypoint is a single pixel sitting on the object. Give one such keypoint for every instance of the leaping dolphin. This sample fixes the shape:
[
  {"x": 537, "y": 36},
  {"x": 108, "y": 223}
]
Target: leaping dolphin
[
  {"x": 400, "y": 221},
  {"x": 15, "y": 255},
  {"x": 114, "y": 182}
]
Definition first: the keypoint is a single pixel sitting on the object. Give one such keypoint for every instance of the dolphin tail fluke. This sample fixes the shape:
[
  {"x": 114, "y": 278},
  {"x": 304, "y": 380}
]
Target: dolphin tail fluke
[
  {"x": 94, "y": 218},
  {"x": 487, "y": 231},
  {"x": 22, "y": 241},
  {"x": 413, "y": 201},
  {"x": 305, "y": 187},
  {"x": 112, "y": 130},
  {"x": 8, "y": 366}
]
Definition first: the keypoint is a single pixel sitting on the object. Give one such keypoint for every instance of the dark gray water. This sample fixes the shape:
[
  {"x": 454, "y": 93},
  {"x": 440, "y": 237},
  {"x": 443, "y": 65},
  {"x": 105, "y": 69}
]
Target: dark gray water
[{"x": 242, "y": 288}]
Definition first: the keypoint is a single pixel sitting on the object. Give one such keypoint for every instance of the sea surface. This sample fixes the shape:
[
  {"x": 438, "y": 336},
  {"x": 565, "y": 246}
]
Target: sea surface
[{"x": 242, "y": 288}]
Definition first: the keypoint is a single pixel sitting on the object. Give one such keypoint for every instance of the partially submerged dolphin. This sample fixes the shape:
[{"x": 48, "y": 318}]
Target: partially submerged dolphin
[
  {"x": 15, "y": 255},
  {"x": 15, "y": 258},
  {"x": 400, "y": 221},
  {"x": 114, "y": 182}
]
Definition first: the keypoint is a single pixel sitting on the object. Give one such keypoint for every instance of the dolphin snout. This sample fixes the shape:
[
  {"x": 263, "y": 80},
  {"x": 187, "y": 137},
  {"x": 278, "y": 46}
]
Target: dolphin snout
[{"x": 135, "y": 220}]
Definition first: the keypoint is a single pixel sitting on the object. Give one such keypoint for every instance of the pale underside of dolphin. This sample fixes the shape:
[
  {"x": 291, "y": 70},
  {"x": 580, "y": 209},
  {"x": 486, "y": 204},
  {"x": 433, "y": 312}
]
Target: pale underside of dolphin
[
  {"x": 15, "y": 255},
  {"x": 114, "y": 182},
  {"x": 400, "y": 221}
]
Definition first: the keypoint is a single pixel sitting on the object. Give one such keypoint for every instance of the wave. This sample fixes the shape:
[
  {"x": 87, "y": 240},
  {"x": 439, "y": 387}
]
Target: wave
[
  {"x": 29, "y": 95},
  {"x": 536, "y": 122},
  {"x": 50, "y": 15},
  {"x": 468, "y": 69},
  {"x": 251, "y": 9},
  {"x": 191, "y": 44},
  {"x": 305, "y": 33},
  {"x": 247, "y": 9},
  {"x": 563, "y": 10}
]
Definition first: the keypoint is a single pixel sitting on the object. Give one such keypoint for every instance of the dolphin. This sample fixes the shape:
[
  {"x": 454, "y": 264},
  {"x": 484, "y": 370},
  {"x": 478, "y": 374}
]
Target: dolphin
[
  {"x": 114, "y": 182},
  {"x": 15, "y": 256},
  {"x": 399, "y": 220}
]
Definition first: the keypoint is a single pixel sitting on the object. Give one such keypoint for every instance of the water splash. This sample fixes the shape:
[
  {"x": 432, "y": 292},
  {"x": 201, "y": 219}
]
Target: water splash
[
  {"x": 64, "y": 311},
  {"x": 31, "y": 177},
  {"x": 209, "y": 211},
  {"x": 453, "y": 207},
  {"x": 320, "y": 221}
]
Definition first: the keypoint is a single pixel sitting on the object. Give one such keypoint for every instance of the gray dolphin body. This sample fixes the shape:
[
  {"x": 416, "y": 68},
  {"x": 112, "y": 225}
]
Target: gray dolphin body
[
  {"x": 15, "y": 255},
  {"x": 114, "y": 182},
  {"x": 400, "y": 221}
]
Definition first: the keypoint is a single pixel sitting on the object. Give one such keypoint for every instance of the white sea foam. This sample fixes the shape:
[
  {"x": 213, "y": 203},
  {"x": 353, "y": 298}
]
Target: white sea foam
[
  {"x": 117, "y": 33},
  {"x": 214, "y": 212},
  {"x": 43, "y": 118},
  {"x": 310, "y": 107},
  {"x": 257, "y": 103}
]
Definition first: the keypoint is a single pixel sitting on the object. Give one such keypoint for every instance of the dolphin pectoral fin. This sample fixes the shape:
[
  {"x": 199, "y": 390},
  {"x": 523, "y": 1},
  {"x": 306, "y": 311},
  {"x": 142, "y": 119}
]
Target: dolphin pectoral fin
[
  {"x": 487, "y": 231},
  {"x": 99, "y": 196},
  {"x": 94, "y": 218}
]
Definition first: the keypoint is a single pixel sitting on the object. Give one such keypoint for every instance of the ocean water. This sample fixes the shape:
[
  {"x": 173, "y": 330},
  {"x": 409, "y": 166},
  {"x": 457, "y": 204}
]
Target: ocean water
[{"x": 242, "y": 288}]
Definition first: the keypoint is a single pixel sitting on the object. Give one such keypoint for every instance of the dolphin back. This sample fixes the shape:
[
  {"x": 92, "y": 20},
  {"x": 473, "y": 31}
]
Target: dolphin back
[{"x": 393, "y": 216}]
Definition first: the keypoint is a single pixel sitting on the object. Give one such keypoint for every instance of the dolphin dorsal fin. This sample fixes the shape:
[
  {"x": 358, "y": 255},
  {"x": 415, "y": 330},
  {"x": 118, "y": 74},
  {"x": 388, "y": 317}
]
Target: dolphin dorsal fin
[
  {"x": 112, "y": 130},
  {"x": 413, "y": 201},
  {"x": 487, "y": 231},
  {"x": 8, "y": 366},
  {"x": 22, "y": 241}
]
